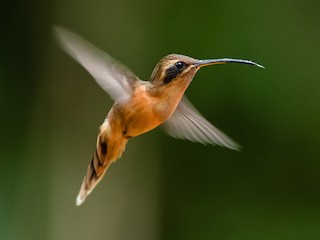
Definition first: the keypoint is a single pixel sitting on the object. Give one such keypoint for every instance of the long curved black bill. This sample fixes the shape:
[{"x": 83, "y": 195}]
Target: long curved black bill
[{"x": 202, "y": 63}]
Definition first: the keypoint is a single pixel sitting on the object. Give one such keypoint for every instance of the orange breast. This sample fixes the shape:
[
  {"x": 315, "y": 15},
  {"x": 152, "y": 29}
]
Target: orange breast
[
  {"x": 140, "y": 115},
  {"x": 142, "y": 112}
]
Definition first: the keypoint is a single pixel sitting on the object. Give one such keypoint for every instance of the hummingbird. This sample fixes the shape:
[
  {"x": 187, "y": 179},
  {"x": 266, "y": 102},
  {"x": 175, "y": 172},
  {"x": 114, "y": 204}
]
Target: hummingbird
[{"x": 141, "y": 106}]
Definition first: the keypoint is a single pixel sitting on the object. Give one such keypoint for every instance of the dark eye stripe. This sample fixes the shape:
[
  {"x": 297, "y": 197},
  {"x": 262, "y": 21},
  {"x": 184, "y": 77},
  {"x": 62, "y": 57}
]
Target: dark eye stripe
[{"x": 173, "y": 72}]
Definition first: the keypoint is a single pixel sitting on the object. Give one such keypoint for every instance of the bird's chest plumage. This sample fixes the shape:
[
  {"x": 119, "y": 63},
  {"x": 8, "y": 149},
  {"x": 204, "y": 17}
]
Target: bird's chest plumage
[
  {"x": 139, "y": 114},
  {"x": 143, "y": 114}
]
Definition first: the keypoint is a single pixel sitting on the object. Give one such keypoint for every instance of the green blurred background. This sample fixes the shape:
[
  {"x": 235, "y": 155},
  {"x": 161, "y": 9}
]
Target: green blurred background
[{"x": 163, "y": 188}]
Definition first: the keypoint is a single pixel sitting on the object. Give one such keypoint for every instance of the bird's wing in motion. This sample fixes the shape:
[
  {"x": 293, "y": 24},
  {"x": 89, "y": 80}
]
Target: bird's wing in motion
[
  {"x": 117, "y": 80},
  {"x": 187, "y": 123}
]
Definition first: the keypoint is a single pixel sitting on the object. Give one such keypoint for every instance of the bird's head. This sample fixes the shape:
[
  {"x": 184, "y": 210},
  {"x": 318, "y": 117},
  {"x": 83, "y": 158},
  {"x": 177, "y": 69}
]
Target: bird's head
[{"x": 176, "y": 71}]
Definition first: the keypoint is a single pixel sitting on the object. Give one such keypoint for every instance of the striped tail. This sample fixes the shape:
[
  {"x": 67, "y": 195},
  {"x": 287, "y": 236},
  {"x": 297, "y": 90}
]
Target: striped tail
[{"x": 106, "y": 153}]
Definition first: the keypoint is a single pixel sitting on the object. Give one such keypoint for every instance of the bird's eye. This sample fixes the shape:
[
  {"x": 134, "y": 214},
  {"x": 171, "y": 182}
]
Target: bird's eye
[
  {"x": 180, "y": 65},
  {"x": 174, "y": 71}
]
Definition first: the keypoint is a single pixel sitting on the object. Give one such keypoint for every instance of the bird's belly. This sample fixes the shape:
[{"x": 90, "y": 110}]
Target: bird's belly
[
  {"x": 141, "y": 113},
  {"x": 142, "y": 116},
  {"x": 141, "y": 121}
]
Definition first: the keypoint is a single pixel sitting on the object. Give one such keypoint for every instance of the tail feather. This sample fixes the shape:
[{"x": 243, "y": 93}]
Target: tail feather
[
  {"x": 94, "y": 175},
  {"x": 106, "y": 153},
  {"x": 95, "y": 172}
]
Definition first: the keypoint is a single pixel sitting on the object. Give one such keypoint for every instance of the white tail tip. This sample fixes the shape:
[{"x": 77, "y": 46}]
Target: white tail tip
[
  {"x": 79, "y": 200},
  {"x": 83, "y": 193}
]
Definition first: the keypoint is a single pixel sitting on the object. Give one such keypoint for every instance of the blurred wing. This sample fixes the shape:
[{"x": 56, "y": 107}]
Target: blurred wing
[
  {"x": 117, "y": 80},
  {"x": 187, "y": 123}
]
